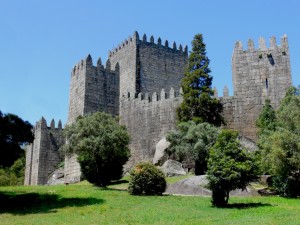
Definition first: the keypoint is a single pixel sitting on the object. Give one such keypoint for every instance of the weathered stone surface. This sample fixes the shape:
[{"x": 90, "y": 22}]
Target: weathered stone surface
[
  {"x": 42, "y": 155},
  {"x": 160, "y": 155},
  {"x": 248, "y": 144},
  {"x": 257, "y": 75},
  {"x": 197, "y": 185},
  {"x": 173, "y": 168},
  {"x": 57, "y": 177}
]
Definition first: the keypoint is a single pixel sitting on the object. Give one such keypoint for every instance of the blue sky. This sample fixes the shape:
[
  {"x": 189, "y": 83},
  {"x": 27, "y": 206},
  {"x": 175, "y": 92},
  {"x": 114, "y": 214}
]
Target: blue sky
[{"x": 40, "y": 41}]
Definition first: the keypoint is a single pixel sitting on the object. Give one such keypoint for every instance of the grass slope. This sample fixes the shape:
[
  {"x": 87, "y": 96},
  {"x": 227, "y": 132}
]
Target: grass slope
[{"x": 85, "y": 204}]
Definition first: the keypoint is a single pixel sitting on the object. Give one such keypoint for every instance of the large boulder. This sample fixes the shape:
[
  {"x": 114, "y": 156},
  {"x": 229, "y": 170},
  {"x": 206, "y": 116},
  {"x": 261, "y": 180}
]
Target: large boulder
[
  {"x": 197, "y": 185},
  {"x": 173, "y": 168},
  {"x": 57, "y": 177},
  {"x": 160, "y": 155}
]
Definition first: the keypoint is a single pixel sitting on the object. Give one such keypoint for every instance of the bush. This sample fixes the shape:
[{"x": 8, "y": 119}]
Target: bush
[
  {"x": 146, "y": 179},
  {"x": 286, "y": 186}
]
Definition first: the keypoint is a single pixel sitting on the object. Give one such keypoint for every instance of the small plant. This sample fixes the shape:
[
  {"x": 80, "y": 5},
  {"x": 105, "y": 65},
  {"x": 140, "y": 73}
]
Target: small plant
[
  {"x": 260, "y": 56},
  {"x": 146, "y": 179}
]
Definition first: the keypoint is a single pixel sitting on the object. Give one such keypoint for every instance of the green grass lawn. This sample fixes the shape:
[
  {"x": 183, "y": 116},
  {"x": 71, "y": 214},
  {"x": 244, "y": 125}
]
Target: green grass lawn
[{"x": 85, "y": 204}]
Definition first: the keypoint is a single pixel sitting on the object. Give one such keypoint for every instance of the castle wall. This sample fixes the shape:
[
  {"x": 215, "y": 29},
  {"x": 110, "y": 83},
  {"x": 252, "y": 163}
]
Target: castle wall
[
  {"x": 126, "y": 56},
  {"x": 160, "y": 65},
  {"x": 42, "y": 156},
  {"x": 148, "y": 119},
  {"x": 258, "y": 74},
  {"x": 77, "y": 91}
]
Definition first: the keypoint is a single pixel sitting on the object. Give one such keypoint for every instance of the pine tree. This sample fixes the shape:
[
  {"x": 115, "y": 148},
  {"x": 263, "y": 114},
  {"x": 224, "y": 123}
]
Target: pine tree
[{"x": 198, "y": 102}]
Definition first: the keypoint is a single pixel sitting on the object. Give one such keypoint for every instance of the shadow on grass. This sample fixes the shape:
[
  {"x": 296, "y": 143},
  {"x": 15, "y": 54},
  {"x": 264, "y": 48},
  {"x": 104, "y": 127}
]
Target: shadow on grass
[
  {"x": 245, "y": 205},
  {"x": 118, "y": 182},
  {"x": 25, "y": 203}
]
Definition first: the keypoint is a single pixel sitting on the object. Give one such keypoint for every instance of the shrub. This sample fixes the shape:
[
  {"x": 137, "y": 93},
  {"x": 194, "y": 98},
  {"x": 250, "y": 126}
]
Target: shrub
[{"x": 146, "y": 179}]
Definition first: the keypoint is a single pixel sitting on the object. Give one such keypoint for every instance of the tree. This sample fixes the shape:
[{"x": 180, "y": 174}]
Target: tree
[
  {"x": 267, "y": 118},
  {"x": 198, "y": 102},
  {"x": 229, "y": 167},
  {"x": 280, "y": 148},
  {"x": 194, "y": 140},
  {"x": 101, "y": 145},
  {"x": 15, "y": 133}
]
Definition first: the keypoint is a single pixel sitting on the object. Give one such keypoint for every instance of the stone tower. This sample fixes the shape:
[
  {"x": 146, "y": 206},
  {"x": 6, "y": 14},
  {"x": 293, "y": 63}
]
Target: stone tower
[
  {"x": 135, "y": 66},
  {"x": 257, "y": 74},
  {"x": 42, "y": 156}
]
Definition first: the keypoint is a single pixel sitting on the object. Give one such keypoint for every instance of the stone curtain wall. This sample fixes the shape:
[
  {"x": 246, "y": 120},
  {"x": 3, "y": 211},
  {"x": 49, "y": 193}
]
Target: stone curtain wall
[
  {"x": 148, "y": 119},
  {"x": 258, "y": 74},
  {"x": 42, "y": 156}
]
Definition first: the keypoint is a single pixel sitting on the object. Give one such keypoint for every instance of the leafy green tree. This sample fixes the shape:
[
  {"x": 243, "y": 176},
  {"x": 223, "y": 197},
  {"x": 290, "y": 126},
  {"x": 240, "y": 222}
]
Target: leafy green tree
[
  {"x": 15, "y": 133},
  {"x": 198, "y": 102},
  {"x": 229, "y": 167},
  {"x": 267, "y": 118},
  {"x": 194, "y": 140},
  {"x": 14, "y": 175},
  {"x": 101, "y": 145},
  {"x": 280, "y": 148}
]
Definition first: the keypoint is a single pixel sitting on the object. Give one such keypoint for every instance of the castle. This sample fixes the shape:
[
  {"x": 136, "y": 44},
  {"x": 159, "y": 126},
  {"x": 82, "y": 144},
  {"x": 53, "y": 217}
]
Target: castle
[{"x": 141, "y": 84}]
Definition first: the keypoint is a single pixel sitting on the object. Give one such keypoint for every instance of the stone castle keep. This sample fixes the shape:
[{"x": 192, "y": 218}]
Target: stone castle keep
[{"x": 140, "y": 83}]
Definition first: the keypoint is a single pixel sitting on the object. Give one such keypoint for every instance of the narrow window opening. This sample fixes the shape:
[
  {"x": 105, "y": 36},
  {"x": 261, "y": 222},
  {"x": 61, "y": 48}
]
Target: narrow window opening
[{"x": 267, "y": 84}]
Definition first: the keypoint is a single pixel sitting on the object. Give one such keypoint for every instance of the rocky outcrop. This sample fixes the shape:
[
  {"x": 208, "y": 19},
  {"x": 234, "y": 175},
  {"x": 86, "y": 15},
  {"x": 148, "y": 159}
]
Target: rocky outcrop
[
  {"x": 160, "y": 155},
  {"x": 173, "y": 168}
]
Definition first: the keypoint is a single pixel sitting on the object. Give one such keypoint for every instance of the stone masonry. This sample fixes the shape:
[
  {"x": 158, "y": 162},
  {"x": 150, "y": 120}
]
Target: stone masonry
[
  {"x": 257, "y": 75},
  {"x": 42, "y": 156},
  {"x": 140, "y": 83}
]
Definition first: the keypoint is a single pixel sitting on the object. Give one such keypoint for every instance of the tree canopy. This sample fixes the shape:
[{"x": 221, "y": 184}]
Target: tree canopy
[
  {"x": 193, "y": 140},
  {"x": 230, "y": 167},
  {"x": 101, "y": 145},
  {"x": 280, "y": 145},
  {"x": 198, "y": 102},
  {"x": 15, "y": 133}
]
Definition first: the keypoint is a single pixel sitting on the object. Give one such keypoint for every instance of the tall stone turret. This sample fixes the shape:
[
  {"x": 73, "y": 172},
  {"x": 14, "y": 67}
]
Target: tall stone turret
[
  {"x": 42, "y": 156},
  {"x": 258, "y": 74}
]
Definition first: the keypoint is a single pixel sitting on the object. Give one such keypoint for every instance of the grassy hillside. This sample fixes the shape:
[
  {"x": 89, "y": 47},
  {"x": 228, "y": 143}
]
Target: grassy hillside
[{"x": 85, "y": 204}]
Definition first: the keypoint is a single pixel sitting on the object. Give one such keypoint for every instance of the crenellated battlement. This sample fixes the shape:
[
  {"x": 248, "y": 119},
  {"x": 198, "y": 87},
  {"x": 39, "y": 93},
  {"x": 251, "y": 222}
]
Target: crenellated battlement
[
  {"x": 154, "y": 97},
  {"x": 262, "y": 44},
  {"x": 88, "y": 63},
  {"x": 42, "y": 123},
  {"x": 135, "y": 39}
]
